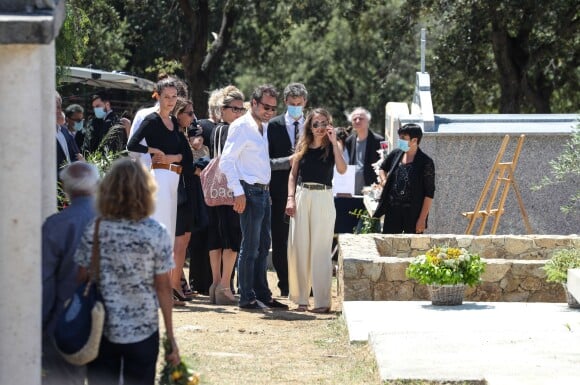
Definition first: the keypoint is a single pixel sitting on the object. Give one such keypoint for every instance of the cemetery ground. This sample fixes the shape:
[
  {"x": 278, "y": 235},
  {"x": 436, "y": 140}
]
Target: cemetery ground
[{"x": 228, "y": 346}]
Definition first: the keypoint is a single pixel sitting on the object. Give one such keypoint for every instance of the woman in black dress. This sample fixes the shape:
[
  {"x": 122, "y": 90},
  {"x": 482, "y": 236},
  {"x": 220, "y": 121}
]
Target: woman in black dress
[
  {"x": 224, "y": 233},
  {"x": 170, "y": 155}
]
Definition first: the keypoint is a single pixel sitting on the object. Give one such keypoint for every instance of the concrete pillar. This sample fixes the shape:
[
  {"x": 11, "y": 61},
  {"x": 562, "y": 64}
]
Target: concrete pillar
[
  {"x": 27, "y": 188},
  {"x": 27, "y": 177}
]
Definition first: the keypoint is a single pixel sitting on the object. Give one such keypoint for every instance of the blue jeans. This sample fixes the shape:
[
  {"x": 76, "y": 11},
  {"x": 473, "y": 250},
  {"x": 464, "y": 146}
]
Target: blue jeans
[{"x": 252, "y": 262}]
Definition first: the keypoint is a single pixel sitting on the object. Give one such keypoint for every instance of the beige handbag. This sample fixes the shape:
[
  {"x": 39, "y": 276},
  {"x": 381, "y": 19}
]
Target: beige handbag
[{"x": 213, "y": 182}]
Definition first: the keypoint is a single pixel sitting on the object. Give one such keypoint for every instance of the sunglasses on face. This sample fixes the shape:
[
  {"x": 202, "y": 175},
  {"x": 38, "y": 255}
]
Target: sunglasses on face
[
  {"x": 320, "y": 125},
  {"x": 190, "y": 113},
  {"x": 268, "y": 107},
  {"x": 236, "y": 110}
]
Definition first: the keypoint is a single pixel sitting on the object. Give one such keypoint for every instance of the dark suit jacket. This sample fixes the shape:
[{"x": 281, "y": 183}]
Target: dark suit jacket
[
  {"x": 280, "y": 148},
  {"x": 97, "y": 130},
  {"x": 73, "y": 149},
  {"x": 371, "y": 154},
  {"x": 422, "y": 181}
]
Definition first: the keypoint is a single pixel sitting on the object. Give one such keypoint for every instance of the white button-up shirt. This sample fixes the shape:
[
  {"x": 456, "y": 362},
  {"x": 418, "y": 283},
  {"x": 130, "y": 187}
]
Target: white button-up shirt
[
  {"x": 246, "y": 155},
  {"x": 290, "y": 127}
]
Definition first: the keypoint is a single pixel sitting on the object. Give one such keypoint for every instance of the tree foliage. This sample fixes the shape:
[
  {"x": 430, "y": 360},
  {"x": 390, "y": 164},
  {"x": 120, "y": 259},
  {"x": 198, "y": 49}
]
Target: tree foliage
[{"x": 483, "y": 56}]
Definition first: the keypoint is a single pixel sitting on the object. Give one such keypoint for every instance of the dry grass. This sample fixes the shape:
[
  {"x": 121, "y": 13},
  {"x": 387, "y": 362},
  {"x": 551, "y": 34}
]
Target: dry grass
[{"x": 229, "y": 346}]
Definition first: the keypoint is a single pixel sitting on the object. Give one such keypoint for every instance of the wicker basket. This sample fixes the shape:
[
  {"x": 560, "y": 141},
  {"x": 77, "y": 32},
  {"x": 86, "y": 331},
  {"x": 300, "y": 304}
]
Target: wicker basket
[
  {"x": 572, "y": 302},
  {"x": 447, "y": 295}
]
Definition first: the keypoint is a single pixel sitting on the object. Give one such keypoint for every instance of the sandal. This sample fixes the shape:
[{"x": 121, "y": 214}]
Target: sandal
[
  {"x": 177, "y": 302},
  {"x": 301, "y": 308},
  {"x": 321, "y": 310},
  {"x": 224, "y": 296}
]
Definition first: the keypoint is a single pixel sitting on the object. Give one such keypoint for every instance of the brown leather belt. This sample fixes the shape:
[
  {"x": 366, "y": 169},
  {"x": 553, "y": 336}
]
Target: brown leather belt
[
  {"x": 315, "y": 186},
  {"x": 168, "y": 166}
]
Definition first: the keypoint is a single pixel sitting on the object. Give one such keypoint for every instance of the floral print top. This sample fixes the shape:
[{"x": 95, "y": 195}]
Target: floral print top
[{"x": 132, "y": 253}]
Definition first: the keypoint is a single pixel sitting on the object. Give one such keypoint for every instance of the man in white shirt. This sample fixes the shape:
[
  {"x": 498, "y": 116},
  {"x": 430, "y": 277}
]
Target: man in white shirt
[{"x": 246, "y": 164}]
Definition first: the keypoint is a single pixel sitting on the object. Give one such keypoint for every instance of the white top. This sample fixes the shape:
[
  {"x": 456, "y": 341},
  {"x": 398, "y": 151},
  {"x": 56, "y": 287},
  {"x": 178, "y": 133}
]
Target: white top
[
  {"x": 245, "y": 155},
  {"x": 137, "y": 120},
  {"x": 132, "y": 254},
  {"x": 290, "y": 127}
]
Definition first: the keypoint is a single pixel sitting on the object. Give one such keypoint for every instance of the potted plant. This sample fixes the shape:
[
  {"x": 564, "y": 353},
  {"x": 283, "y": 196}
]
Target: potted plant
[
  {"x": 556, "y": 269},
  {"x": 446, "y": 270}
]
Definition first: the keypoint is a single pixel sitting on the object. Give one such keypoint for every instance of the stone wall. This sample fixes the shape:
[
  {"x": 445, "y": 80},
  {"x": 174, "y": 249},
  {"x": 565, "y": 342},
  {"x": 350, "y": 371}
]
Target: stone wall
[
  {"x": 462, "y": 165},
  {"x": 372, "y": 267}
]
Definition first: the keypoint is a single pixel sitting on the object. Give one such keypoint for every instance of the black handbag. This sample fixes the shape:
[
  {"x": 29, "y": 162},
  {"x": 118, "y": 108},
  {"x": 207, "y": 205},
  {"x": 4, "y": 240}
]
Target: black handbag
[
  {"x": 181, "y": 192},
  {"x": 79, "y": 328}
]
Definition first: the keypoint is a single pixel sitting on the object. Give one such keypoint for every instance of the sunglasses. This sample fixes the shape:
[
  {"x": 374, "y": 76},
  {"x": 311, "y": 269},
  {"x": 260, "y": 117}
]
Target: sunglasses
[
  {"x": 320, "y": 124},
  {"x": 190, "y": 113},
  {"x": 236, "y": 110},
  {"x": 268, "y": 107}
]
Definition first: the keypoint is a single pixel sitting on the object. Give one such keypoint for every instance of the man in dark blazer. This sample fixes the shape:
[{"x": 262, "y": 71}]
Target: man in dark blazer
[
  {"x": 104, "y": 119},
  {"x": 283, "y": 133},
  {"x": 362, "y": 146},
  {"x": 67, "y": 150}
]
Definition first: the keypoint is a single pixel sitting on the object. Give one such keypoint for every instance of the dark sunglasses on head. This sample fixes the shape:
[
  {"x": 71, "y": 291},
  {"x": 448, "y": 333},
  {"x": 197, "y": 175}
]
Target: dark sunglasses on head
[
  {"x": 268, "y": 107},
  {"x": 237, "y": 110}
]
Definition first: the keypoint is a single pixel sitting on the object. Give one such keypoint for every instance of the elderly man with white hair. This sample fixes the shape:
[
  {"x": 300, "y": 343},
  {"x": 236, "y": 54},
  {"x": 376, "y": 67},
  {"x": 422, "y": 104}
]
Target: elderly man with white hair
[
  {"x": 362, "y": 146},
  {"x": 61, "y": 234}
]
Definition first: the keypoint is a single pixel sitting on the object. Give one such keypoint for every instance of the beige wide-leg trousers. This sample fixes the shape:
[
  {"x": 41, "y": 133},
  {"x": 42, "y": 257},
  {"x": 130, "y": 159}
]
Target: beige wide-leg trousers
[
  {"x": 310, "y": 247},
  {"x": 166, "y": 200}
]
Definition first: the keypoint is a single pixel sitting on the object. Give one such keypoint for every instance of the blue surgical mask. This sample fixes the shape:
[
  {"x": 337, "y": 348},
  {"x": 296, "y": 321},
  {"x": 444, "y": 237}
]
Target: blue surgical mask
[
  {"x": 79, "y": 125},
  {"x": 295, "y": 111},
  {"x": 100, "y": 112},
  {"x": 403, "y": 145}
]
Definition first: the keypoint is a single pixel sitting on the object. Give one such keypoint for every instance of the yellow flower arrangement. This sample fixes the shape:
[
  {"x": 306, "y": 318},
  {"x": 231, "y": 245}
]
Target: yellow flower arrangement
[
  {"x": 177, "y": 375},
  {"x": 443, "y": 265}
]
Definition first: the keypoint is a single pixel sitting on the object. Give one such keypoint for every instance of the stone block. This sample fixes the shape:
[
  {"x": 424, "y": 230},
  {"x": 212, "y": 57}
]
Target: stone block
[
  {"x": 371, "y": 270},
  {"x": 493, "y": 251},
  {"x": 518, "y": 244},
  {"x": 495, "y": 270},
  {"x": 528, "y": 269},
  {"x": 385, "y": 245},
  {"x": 479, "y": 244},
  {"x": 420, "y": 243},
  {"x": 443, "y": 240},
  {"x": 357, "y": 290},
  {"x": 395, "y": 269},
  {"x": 487, "y": 291},
  {"x": 531, "y": 284},
  {"x": 517, "y": 296},
  {"x": 545, "y": 242},
  {"x": 350, "y": 269},
  {"x": 402, "y": 245},
  {"x": 403, "y": 291},
  {"x": 464, "y": 241},
  {"x": 509, "y": 283},
  {"x": 422, "y": 292}
]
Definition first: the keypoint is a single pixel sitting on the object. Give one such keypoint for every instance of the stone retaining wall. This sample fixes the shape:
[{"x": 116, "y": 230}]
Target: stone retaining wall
[{"x": 372, "y": 267}]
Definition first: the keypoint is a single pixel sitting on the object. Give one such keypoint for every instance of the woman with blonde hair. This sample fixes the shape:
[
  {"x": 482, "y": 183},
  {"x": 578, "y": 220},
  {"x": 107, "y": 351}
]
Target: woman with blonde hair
[
  {"x": 135, "y": 260},
  {"x": 310, "y": 205},
  {"x": 224, "y": 233}
]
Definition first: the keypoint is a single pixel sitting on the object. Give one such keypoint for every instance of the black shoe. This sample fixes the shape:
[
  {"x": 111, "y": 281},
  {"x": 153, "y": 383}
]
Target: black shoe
[
  {"x": 283, "y": 293},
  {"x": 181, "y": 297},
  {"x": 273, "y": 304},
  {"x": 251, "y": 306}
]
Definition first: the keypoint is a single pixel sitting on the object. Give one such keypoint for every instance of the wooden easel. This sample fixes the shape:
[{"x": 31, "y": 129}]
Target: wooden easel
[{"x": 503, "y": 174}]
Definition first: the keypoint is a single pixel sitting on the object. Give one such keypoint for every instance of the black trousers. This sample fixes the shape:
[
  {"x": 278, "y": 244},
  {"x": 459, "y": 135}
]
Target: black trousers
[
  {"x": 280, "y": 229},
  {"x": 200, "y": 277},
  {"x": 135, "y": 362},
  {"x": 401, "y": 219}
]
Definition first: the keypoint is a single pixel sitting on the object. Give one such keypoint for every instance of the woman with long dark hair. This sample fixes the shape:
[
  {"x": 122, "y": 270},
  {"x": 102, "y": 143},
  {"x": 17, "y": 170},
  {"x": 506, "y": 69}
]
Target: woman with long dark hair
[{"x": 311, "y": 208}]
